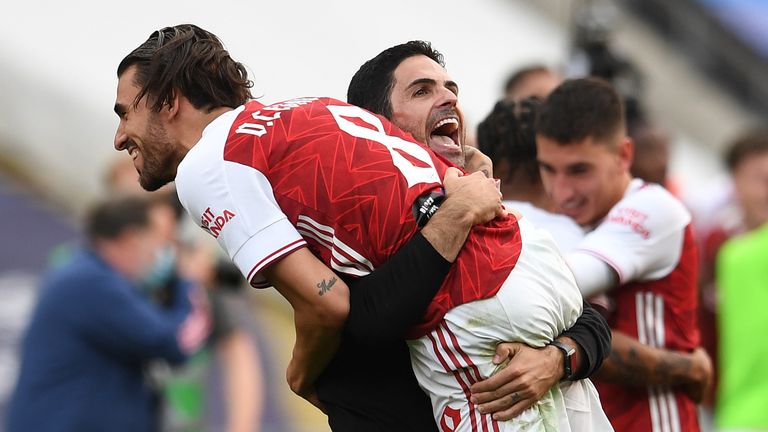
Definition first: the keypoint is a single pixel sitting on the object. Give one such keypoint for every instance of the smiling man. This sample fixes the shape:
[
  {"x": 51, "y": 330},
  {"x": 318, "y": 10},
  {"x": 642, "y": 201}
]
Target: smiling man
[{"x": 639, "y": 249}]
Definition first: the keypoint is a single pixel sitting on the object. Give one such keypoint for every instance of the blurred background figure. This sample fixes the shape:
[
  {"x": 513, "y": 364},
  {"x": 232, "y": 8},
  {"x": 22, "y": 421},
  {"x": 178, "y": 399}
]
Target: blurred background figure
[
  {"x": 93, "y": 332},
  {"x": 744, "y": 210},
  {"x": 221, "y": 387},
  {"x": 651, "y": 159},
  {"x": 531, "y": 81},
  {"x": 742, "y": 275}
]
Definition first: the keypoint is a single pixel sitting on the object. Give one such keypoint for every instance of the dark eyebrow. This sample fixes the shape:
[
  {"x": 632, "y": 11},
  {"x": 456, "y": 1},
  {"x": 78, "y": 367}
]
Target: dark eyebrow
[
  {"x": 421, "y": 81},
  {"x": 450, "y": 85}
]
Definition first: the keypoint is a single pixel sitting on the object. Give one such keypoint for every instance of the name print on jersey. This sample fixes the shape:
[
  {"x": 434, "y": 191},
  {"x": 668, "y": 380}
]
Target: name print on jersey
[
  {"x": 212, "y": 223},
  {"x": 260, "y": 128},
  {"x": 633, "y": 218}
]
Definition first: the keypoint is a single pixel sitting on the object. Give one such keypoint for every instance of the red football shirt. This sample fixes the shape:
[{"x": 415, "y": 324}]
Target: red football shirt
[{"x": 345, "y": 179}]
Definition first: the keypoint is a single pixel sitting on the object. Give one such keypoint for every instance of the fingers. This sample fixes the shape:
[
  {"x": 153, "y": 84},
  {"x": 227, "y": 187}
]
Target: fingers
[
  {"x": 500, "y": 384},
  {"x": 505, "y": 350},
  {"x": 508, "y": 406},
  {"x": 513, "y": 411},
  {"x": 496, "y": 388},
  {"x": 451, "y": 174}
]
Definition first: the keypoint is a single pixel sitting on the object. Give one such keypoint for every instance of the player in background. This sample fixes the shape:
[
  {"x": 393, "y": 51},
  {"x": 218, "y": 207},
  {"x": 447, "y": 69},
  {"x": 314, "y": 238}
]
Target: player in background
[{"x": 638, "y": 249}]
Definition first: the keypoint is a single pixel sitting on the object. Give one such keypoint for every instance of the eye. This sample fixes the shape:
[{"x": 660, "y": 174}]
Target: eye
[
  {"x": 420, "y": 92},
  {"x": 579, "y": 169}
]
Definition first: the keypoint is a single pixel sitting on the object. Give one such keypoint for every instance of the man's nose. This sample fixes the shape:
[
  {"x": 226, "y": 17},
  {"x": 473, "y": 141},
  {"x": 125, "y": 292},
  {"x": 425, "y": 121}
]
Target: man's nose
[
  {"x": 120, "y": 137},
  {"x": 563, "y": 190},
  {"x": 447, "y": 98}
]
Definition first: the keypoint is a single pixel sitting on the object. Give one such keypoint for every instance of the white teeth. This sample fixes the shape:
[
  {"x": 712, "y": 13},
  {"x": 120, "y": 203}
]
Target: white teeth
[{"x": 445, "y": 122}]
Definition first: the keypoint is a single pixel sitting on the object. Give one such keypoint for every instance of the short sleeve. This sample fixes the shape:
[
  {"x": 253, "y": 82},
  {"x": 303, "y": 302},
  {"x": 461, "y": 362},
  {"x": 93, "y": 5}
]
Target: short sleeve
[
  {"x": 235, "y": 204},
  {"x": 642, "y": 236}
]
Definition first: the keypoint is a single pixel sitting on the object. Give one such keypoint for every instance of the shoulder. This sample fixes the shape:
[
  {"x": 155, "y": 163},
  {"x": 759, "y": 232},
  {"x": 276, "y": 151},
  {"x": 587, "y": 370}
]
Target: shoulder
[
  {"x": 205, "y": 158},
  {"x": 84, "y": 277},
  {"x": 650, "y": 210},
  {"x": 653, "y": 199},
  {"x": 747, "y": 247}
]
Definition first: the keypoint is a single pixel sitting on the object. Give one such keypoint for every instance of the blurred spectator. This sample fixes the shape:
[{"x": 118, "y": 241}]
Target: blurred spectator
[
  {"x": 742, "y": 279},
  {"x": 92, "y": 332},
  {"x": 532, "y": 81},
  {"x": 651, "y": 158},
  {"x": 747, "y": 163},
  {"x": 232, "y": 338},
  {"x": 184, "y": 387}
]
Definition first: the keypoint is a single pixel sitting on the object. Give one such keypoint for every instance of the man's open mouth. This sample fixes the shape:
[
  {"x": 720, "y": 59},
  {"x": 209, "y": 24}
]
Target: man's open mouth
[{"x": 444, "y": 136}]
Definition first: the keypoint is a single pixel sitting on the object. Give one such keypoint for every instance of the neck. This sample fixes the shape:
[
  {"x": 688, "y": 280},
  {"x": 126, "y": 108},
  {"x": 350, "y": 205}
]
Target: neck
[
  {"x": 114, "y": 256},
  {"x": 194, "y": 121}
]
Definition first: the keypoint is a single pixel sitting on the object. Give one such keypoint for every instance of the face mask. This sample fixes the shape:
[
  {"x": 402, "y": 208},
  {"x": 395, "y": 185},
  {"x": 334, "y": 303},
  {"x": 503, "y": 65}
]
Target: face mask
[{"x": 161, "y": 270}]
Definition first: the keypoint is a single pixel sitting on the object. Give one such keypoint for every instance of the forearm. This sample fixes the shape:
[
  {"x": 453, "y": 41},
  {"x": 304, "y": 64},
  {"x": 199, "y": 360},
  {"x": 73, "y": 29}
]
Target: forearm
[
  {"x": 633, "y": 363},
  {"x": 592, "y": 337},
  {"x": 448, "y": 229},
  {"x": 314, "y": 348},
  {"x": 320, "y": 303},
  {"x": 384, "y": 304}
]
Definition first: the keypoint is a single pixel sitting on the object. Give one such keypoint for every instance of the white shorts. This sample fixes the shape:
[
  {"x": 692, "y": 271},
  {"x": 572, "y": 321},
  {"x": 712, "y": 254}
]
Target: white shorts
[{"x": 537, "y": 302}]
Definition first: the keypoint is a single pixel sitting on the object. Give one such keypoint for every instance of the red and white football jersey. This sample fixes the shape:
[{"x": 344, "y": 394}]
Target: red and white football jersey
[
  {"x": 647, "y": 239},
  {"x": 266, "y": 180}
]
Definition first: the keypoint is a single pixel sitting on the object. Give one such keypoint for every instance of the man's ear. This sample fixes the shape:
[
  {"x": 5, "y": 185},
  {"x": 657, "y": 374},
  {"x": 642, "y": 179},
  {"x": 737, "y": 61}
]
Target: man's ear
[
  {"x": 626, "y": 152},
  {"x": 172, "y": 109}
]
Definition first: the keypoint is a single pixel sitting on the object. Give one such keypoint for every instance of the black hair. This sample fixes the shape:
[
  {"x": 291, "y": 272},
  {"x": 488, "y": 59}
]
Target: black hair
[
  {"x": 521, "y": 75},
  {"x": 372, "y": 84},
  {"x": 753, "y": 142},
  {"x": 109, "y": 219},
  {"x": 581, "y": 108},
  {"x": 508, "y": 134},
  {"x": 191, "y": 61}
]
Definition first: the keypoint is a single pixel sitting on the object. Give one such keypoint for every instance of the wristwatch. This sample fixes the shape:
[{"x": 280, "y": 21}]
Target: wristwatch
[{"x": 568, "y": 360}]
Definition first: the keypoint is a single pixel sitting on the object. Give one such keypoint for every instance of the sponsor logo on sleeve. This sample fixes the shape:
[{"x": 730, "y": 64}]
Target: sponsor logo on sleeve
[
  {"x": 633, "y": 218},
  {"x": 214, "y": 223}
]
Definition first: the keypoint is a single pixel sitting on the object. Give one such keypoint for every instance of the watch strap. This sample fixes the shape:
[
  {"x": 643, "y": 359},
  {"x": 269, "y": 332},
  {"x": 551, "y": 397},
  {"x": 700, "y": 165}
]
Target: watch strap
[{"x": 569, "y": 352}]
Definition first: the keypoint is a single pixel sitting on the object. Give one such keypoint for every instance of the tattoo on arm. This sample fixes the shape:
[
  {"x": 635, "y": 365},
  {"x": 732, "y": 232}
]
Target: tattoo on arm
[
  {"x": 325, "y": 286},
  {"x": 631, "y": 368}
]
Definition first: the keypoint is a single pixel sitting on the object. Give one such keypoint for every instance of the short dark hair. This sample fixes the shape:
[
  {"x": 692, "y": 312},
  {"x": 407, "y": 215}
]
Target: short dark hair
[
  {"x": 189, "y": 60},
  {"x": 581, "y": 108},
  {"x": 520, "y": 75},
  {"x": 371, "y": 86},
  {"x": 753, "y": 142},
  {"x": 508, "y": 134},
  {"x": 108, "y": 219}
]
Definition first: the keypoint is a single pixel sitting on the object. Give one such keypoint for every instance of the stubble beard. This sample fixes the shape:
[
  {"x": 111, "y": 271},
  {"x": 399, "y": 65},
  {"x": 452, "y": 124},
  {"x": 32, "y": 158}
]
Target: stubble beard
[{"x": 159, "y": 168}]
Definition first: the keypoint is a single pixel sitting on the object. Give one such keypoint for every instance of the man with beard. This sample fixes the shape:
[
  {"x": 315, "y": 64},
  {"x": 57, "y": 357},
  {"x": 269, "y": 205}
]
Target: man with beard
[{"x": 408, "y": 84}]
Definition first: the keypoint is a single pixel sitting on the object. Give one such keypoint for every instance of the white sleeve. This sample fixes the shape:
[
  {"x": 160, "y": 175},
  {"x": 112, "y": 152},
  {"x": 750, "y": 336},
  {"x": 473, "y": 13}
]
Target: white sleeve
[
  {"x": 235, "y": 204},
  {"x": 593, "y": 276},
  {"x": 642, "y": 236}
]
